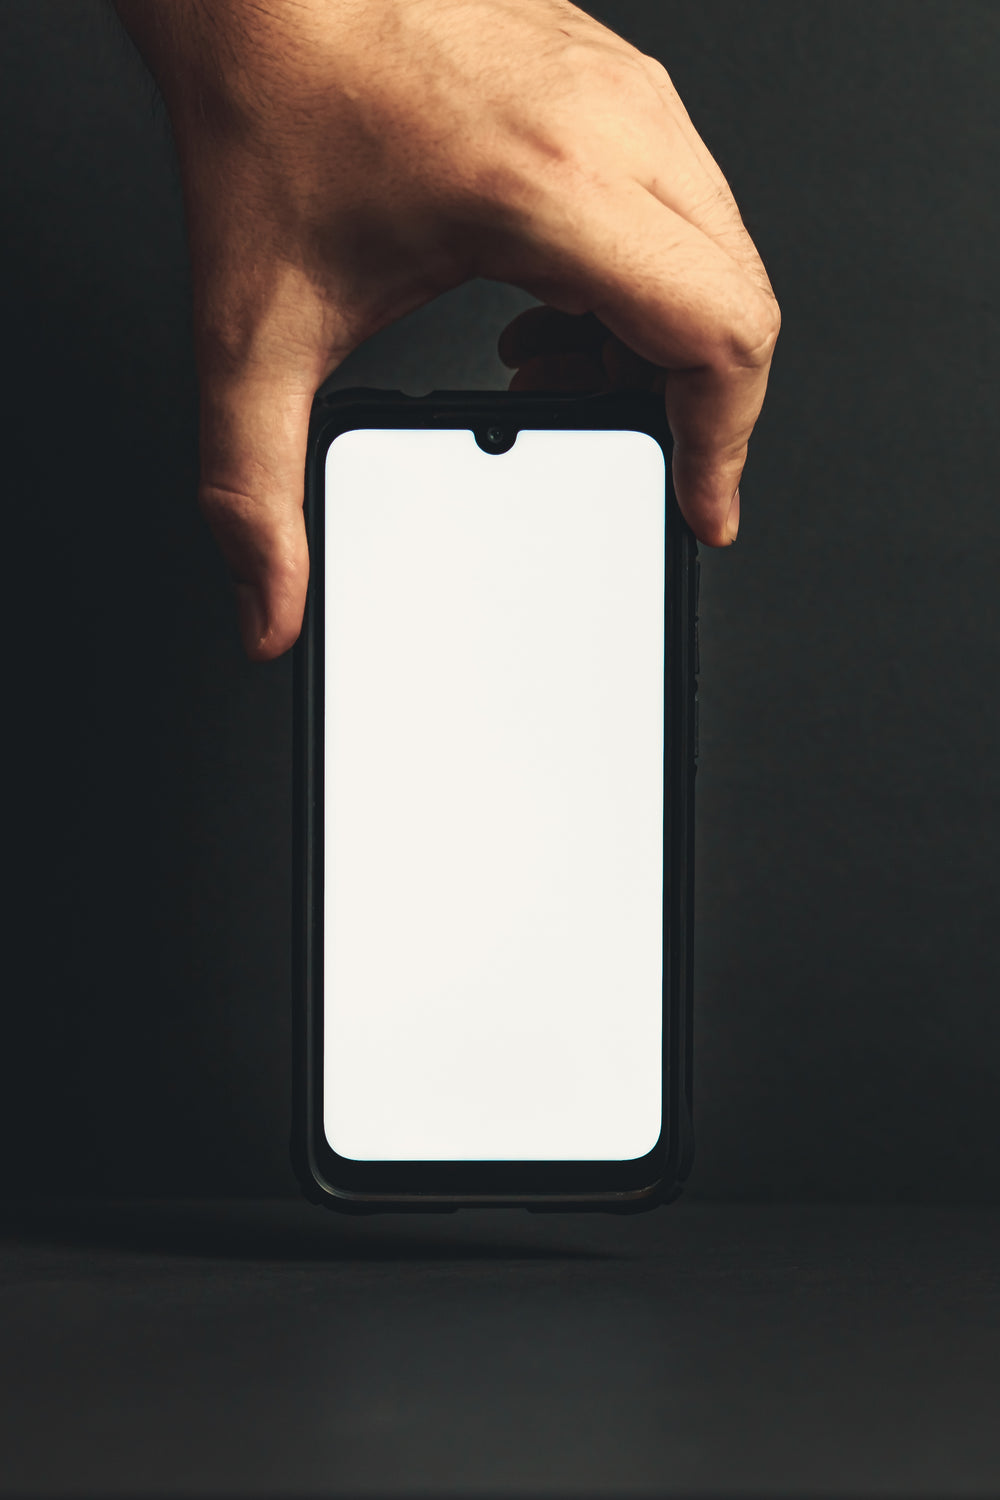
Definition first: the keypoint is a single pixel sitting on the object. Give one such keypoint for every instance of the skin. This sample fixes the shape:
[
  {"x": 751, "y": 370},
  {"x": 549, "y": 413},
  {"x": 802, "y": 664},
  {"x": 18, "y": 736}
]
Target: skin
[{"x": 343, "y": 162}]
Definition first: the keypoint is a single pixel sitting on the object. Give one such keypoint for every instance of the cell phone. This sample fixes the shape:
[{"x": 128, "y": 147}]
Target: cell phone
[{"x": 495, "y": 756}]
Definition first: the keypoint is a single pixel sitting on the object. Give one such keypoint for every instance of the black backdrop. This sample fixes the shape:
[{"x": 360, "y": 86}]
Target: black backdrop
[{"x": 847, "y": 1027}]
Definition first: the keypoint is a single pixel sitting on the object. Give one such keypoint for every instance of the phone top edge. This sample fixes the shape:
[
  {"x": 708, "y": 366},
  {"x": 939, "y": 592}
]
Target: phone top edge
[
  {"x": 348, "y": 394},
  {"x": 642, "y": 409}
]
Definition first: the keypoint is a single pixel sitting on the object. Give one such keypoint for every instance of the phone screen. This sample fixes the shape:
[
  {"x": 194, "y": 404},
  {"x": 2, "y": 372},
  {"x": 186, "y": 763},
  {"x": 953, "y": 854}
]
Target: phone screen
[{"x": 493, "y": 796}]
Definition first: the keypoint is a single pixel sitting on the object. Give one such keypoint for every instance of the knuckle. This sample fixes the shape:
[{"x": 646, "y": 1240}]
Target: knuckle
[
  {"x": 600, "y": 69},
  {"x": 753, "y": 342},
  {"x": 255, "y": 539},
  {"x": 656, "y": 72},
  {"x": 230, "y": 513}
]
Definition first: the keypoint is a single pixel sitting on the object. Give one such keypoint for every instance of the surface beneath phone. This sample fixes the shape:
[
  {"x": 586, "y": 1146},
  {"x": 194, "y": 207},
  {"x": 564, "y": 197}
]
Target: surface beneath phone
[{"x": 268, "y": 1348}]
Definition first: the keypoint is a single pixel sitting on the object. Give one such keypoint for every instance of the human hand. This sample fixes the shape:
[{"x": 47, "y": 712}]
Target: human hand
[{"x": 343, "y": 162}]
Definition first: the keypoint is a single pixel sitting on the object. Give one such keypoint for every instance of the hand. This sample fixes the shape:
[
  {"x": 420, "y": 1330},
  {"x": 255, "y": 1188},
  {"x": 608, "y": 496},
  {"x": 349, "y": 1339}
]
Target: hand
[{"x": 345, "y": 161}]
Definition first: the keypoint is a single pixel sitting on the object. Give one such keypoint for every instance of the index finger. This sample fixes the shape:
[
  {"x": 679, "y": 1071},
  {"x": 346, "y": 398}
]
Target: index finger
[{"x": 674, "y": 295}]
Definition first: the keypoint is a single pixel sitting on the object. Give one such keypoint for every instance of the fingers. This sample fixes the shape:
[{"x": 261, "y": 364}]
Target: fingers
[
  {"x": 253, "y": 447},
  {"x": 677, "y": 299}
]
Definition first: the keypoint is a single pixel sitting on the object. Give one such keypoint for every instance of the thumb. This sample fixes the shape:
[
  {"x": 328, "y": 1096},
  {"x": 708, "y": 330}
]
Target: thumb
[{"x": 254, "y": 430}]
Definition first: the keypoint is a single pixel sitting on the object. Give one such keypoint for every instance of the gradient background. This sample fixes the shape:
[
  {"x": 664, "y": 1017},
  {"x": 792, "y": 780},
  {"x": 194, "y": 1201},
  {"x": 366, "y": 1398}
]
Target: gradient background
[{"x": 847, "y": 1032}]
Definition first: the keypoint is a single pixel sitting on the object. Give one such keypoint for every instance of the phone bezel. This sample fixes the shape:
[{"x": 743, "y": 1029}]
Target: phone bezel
[{"x": 357, "y": 1186}]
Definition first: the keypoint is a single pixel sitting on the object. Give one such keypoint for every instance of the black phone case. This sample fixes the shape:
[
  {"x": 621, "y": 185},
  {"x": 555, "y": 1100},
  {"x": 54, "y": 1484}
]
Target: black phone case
[{"x": 637, "y": 411}]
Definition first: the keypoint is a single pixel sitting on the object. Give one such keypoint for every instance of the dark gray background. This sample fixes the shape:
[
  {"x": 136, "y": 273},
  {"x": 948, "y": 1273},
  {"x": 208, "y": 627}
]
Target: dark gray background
[{"x": 847, "y": 1032}]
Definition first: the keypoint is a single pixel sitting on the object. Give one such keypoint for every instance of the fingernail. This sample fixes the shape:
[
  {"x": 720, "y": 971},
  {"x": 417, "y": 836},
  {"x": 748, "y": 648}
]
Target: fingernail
[
  {"x": 733, "y": 522},
  {"x": 253, "y": 619}
]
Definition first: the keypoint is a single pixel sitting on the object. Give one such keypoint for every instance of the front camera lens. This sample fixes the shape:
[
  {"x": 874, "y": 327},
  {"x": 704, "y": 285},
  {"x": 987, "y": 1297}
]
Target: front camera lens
[{"x": 494, "y": 434}]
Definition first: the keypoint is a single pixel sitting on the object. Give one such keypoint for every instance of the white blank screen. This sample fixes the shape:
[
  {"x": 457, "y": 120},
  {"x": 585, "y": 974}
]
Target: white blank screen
[{"x": 493, "y": 796}]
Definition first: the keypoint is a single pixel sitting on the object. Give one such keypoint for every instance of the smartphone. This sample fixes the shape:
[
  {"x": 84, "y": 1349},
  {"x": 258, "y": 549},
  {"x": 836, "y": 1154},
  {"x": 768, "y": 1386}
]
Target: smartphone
[{"x": 495, "y": 754}]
